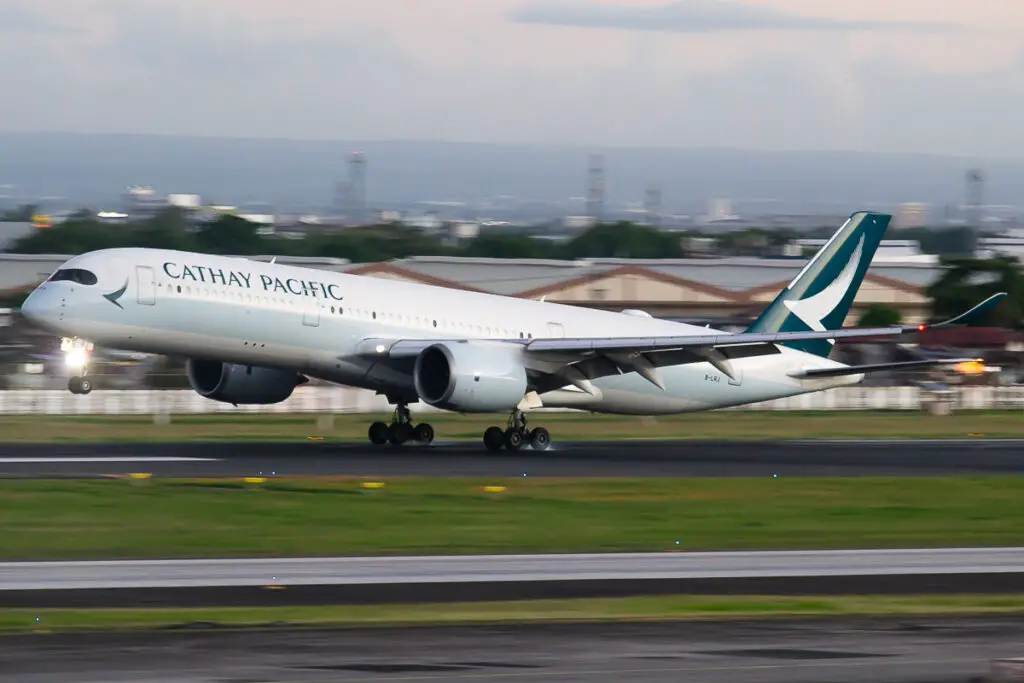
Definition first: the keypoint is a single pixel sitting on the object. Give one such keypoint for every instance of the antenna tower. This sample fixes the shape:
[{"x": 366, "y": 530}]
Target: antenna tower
[
  {"x": 652, "y": 205},
  {"x": 595, "y": 188},
  {"x": 974, "y": 182},
  {"x": 357, "y": 188}
]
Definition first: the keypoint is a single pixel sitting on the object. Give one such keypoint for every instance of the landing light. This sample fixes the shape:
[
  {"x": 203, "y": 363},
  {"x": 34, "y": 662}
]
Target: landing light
[{"x": 76, "y": 358}]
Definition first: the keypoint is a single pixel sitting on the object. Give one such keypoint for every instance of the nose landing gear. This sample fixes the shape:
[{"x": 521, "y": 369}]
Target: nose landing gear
[
  {"x": 516, "y": 435},
  {"x": 79, "y": 385},
  {"x": 77, "y": 353}
]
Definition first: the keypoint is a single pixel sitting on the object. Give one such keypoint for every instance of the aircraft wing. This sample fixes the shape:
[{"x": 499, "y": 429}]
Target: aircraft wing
[{"x": 576, "y": 360}]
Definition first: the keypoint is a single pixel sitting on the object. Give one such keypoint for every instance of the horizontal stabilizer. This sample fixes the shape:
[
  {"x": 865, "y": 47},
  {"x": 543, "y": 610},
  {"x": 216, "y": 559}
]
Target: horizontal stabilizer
[{"x": 875, "y": 367}]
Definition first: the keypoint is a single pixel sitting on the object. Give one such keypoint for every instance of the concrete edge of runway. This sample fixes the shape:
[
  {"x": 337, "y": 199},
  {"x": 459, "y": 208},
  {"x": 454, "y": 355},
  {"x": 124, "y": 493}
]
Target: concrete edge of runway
[{"x": 407, "y": 593}]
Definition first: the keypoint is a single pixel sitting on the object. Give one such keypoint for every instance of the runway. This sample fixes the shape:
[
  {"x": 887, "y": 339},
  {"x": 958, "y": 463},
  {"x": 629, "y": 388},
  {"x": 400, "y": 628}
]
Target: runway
[
  {"x": 496, "y": 577},
  {"x": 576, "y": 459},
  {"x": 959, "y": 650},
  {"x": 325, "y": 571}
]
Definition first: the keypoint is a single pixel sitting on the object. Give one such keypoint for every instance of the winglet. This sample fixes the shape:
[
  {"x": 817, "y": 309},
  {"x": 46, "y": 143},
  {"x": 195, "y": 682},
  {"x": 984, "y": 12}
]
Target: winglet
[{"x": 970, "y": 315}]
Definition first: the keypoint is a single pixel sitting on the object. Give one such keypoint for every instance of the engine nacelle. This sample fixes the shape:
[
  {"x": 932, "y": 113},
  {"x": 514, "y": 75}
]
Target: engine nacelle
[
  {"x": 239, "y": 384},
  {"x": 470, "y": 377}
]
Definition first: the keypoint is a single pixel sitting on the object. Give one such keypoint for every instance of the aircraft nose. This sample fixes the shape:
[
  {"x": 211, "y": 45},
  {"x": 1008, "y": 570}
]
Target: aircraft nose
[{"x": 42, "y": 307}]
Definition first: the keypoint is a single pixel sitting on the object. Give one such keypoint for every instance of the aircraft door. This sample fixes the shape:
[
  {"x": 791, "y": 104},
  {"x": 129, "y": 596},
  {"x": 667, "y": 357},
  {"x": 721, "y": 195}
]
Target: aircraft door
[
  {"x": 147, "y": 285},
  {"x": 311, "y": 316},
  {"x": 556, "y": 330}
]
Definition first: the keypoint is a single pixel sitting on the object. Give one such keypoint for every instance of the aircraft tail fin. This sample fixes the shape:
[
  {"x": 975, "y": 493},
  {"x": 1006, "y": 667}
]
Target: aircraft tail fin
[{"x": 820, "y": 296}]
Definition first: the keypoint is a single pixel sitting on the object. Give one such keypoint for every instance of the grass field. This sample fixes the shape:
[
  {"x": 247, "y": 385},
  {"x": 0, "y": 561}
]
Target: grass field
[
  {"x": 563, "y": 426},
  {"x": 611, "y": 609},
  {"x": 52, "y": 519}
]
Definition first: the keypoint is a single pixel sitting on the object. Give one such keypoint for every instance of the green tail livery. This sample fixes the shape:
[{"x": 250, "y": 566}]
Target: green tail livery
[{"x": 820, "y": 296}]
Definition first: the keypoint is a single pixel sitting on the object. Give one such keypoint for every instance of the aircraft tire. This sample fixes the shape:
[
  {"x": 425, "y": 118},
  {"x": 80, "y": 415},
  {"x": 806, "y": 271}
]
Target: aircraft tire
[{"x": 494, "y": 439}]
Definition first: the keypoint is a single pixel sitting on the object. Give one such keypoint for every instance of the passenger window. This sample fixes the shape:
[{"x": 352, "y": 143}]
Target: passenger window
[{"x": 76, "y": 275}]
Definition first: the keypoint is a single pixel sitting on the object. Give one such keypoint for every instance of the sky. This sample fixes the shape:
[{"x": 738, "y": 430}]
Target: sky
[{"x": 872, "y": 75}]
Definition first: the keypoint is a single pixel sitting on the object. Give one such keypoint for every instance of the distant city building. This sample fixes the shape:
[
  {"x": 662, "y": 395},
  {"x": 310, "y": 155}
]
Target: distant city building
[
  {"x": 578, "y": 223},
  {"x": 1010, "y": 243},
  {"x": 184, "y": 201},
  {"x": 12, "y": 232},
  {"x": 719, "y": 211},
  {"x": 142, "y": 201},
  {"x": 889, "y": 251},
  {"x": 464, "y": 230},
  {"x": 911, "y": 215}
]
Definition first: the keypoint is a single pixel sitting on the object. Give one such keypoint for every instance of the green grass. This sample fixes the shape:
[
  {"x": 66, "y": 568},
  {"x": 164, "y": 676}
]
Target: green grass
[
  {"x": 529, "y": 611},
  {"x": 53, "y": 519},
  {"x": 564, "y": 426}
]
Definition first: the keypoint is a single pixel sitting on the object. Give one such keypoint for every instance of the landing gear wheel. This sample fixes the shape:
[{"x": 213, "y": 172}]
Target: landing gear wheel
[
  {"x": 516, "y": 434},
  {"x": 378, "y": 433},
  {"x": 400, "y": 430},
  {"x": 540, "y": 439},
  {"x": 79, "y": 385},
  {"x": 494, "y": 439},
  {"x": 399, "y": 433},
  {"x": 423, "y": 433},
  {"x": 513, "y": 439}
]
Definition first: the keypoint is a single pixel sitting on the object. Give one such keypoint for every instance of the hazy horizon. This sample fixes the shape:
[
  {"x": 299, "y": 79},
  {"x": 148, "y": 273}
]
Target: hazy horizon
[
  {"x": 913, "y": 76},
  {"x": 305, "y": 172},
  {"x": 589, "y": 148}
]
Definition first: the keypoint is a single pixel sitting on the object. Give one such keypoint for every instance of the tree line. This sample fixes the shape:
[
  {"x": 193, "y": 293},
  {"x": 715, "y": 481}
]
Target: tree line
[{"x": 172, "y": 228}]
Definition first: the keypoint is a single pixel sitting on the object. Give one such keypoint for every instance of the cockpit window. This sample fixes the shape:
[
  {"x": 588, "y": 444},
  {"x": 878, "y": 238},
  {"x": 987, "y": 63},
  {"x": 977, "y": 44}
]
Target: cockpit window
[{"x": 82, "y": 277}]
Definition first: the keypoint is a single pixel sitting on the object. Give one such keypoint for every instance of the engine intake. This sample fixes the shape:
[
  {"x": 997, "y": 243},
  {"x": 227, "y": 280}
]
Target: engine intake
[
  {"x": 241, "y": 384},
  {"x": 470, "y": 377}
]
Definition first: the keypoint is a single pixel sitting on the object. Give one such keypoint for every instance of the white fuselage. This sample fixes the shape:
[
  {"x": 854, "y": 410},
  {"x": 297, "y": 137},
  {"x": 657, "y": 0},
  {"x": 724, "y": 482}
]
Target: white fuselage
[{"x": 254, "y": 313}]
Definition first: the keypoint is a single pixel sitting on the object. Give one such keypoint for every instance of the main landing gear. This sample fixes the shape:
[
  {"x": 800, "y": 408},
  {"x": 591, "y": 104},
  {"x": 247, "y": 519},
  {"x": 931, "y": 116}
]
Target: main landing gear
[
  {"x": 77, "y": 353},
  {"x": 516, "y": 435},
  {"x": 401, "y": 429}
]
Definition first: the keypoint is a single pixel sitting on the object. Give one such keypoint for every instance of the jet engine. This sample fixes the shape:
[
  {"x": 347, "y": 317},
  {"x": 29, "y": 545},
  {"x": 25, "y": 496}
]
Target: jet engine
[
  {"x": 471, "y": 377},
  {"x": 237, "y": 384}
]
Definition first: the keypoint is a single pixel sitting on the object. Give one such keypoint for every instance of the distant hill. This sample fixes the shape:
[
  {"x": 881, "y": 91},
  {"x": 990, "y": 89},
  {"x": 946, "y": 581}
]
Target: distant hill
[{"x": 304, "y": 172}]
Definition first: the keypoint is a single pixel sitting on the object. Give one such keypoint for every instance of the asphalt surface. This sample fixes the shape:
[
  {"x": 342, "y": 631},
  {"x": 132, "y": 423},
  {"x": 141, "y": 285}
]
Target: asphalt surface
[
  {"x": 505, "y": 577},
  {"x": 960, "y": 650},
  {"x": 581, "y": 459}
]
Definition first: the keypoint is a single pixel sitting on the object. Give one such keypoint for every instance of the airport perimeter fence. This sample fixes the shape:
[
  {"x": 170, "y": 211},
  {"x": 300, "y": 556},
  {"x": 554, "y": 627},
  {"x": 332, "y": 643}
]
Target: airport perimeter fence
[{"x": 341, "y": 400}]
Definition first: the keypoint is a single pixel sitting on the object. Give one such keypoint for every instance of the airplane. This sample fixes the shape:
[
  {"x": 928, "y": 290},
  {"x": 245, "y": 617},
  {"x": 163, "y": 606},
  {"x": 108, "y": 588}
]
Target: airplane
[{"x": 254, "y": 331}]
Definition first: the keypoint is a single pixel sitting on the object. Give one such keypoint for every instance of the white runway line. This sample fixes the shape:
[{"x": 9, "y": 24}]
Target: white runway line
[{"x": 126, "y": 458}]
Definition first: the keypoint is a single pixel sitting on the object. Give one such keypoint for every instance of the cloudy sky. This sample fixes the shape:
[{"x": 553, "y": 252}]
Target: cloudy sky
[{"x": 907, "y": 75}]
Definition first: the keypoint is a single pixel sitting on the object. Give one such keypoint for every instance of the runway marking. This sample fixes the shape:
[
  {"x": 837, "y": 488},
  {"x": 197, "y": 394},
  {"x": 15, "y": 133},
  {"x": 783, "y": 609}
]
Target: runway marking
[{"x": 126, "y": 458}]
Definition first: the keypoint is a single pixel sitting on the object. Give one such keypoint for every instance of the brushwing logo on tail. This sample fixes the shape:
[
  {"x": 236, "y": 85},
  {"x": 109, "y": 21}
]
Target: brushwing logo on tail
[{"x": 814, "y": 309}]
